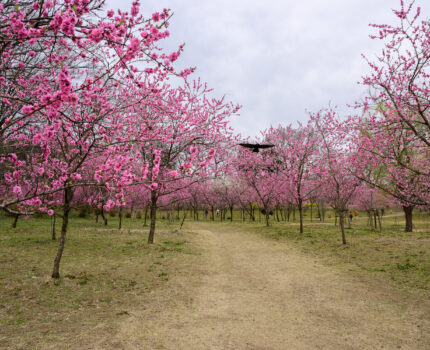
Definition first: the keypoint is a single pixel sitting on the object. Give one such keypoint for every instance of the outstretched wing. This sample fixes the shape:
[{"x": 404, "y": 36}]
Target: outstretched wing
[
  {"x": 247, "y": 145},
  {"x": 255, "y": 146}
]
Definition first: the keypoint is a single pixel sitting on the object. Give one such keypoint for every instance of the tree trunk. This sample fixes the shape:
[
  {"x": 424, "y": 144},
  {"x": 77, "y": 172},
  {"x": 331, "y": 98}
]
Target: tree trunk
[
  {"x": 231, "y": 214},
  {"x": 146, "y": 215},
  {"x": 369, "y": 219},
  {"x": 342, "y": 228},
  {"x": 374, "y": 218},
  {"x": 282, "y": 211},
  {"x": 68, "y": 196},
  {"x": 300, "y": 204},
  {"x": 323, "y": 211},
  {"x": 183, "y": 219},
  {"x": 54, "y": 223},
  {"x": 120, "y": 218},
  {"x": 105, "y": 221},
  {"x": 380, "y": 222},
  {"x": 311, "y": 210},
  {"x": 15, "y": 221},
  {"x": 408, "y": 218},
  {"x": 277, "y": 214},
  {"x": 267, "y": 218},
  {"x": 97, "y": 216},
  {"x": 153, "y": 213}
]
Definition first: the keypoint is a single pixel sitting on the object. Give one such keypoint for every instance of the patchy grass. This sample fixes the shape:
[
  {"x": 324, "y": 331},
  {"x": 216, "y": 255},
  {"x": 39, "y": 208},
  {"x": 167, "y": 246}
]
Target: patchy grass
[
  {"x": 112, "y": 279},
  {"x": 402, "y": 257},
  {"x": 105, "y": 275}
]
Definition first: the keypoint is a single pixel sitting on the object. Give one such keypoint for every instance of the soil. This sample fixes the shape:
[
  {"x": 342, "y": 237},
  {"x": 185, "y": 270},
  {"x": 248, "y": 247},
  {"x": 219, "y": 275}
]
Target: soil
[{"x": 248, "y": 292}]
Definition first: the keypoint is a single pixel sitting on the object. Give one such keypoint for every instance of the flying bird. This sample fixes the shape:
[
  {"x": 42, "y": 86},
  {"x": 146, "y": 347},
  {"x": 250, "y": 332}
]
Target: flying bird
[{"x": 255, "y": 147}]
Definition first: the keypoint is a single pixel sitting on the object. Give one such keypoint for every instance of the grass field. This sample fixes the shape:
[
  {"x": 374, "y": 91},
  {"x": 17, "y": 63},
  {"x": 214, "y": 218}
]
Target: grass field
[
  {"x": 392, "y": 254},
  {"x": 108, "y": 274}
]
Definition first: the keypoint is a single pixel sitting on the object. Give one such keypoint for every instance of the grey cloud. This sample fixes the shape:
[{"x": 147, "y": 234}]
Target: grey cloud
[{"x": 277, "y": 58}]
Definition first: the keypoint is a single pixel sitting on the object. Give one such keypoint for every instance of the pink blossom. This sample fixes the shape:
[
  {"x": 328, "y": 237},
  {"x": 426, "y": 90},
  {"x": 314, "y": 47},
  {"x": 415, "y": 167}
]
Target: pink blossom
[
  {"x": 173, "y": 56},
  {"x": 27, "y": 109},
  {"x": 135, "y": 8},
  {"x": 96, "y": 35},
  {"x": 17, "y": 189},
  {"x": 173, "y": 174}
]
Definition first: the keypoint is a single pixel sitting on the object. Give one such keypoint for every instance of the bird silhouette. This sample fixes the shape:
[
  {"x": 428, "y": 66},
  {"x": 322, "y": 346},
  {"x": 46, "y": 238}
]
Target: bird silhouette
[{"x": 255, "y": 147}]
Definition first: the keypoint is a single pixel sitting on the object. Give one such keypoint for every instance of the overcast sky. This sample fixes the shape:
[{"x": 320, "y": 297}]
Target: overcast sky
[{"x": 277, "y": 58}]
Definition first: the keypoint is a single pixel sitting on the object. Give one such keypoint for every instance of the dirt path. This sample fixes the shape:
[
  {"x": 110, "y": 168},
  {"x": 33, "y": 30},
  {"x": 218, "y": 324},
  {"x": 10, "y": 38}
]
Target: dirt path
[{"x": 252, "y": 293}]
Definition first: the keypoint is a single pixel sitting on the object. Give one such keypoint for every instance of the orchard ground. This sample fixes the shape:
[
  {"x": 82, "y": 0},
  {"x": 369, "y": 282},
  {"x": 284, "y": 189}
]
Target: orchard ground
[{"x": 216, "y": 285}]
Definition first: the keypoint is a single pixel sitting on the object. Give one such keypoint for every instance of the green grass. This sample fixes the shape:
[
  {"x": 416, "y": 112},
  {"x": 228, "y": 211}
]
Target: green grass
[{"x": 104, "y": 273}]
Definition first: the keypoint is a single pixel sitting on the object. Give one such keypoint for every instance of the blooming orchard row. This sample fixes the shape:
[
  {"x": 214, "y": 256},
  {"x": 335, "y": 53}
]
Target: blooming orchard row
[
  {"x": 88, "y": 117},
  {"x": 378, "y": 158},
  {"x": 87, "y": 108}
]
